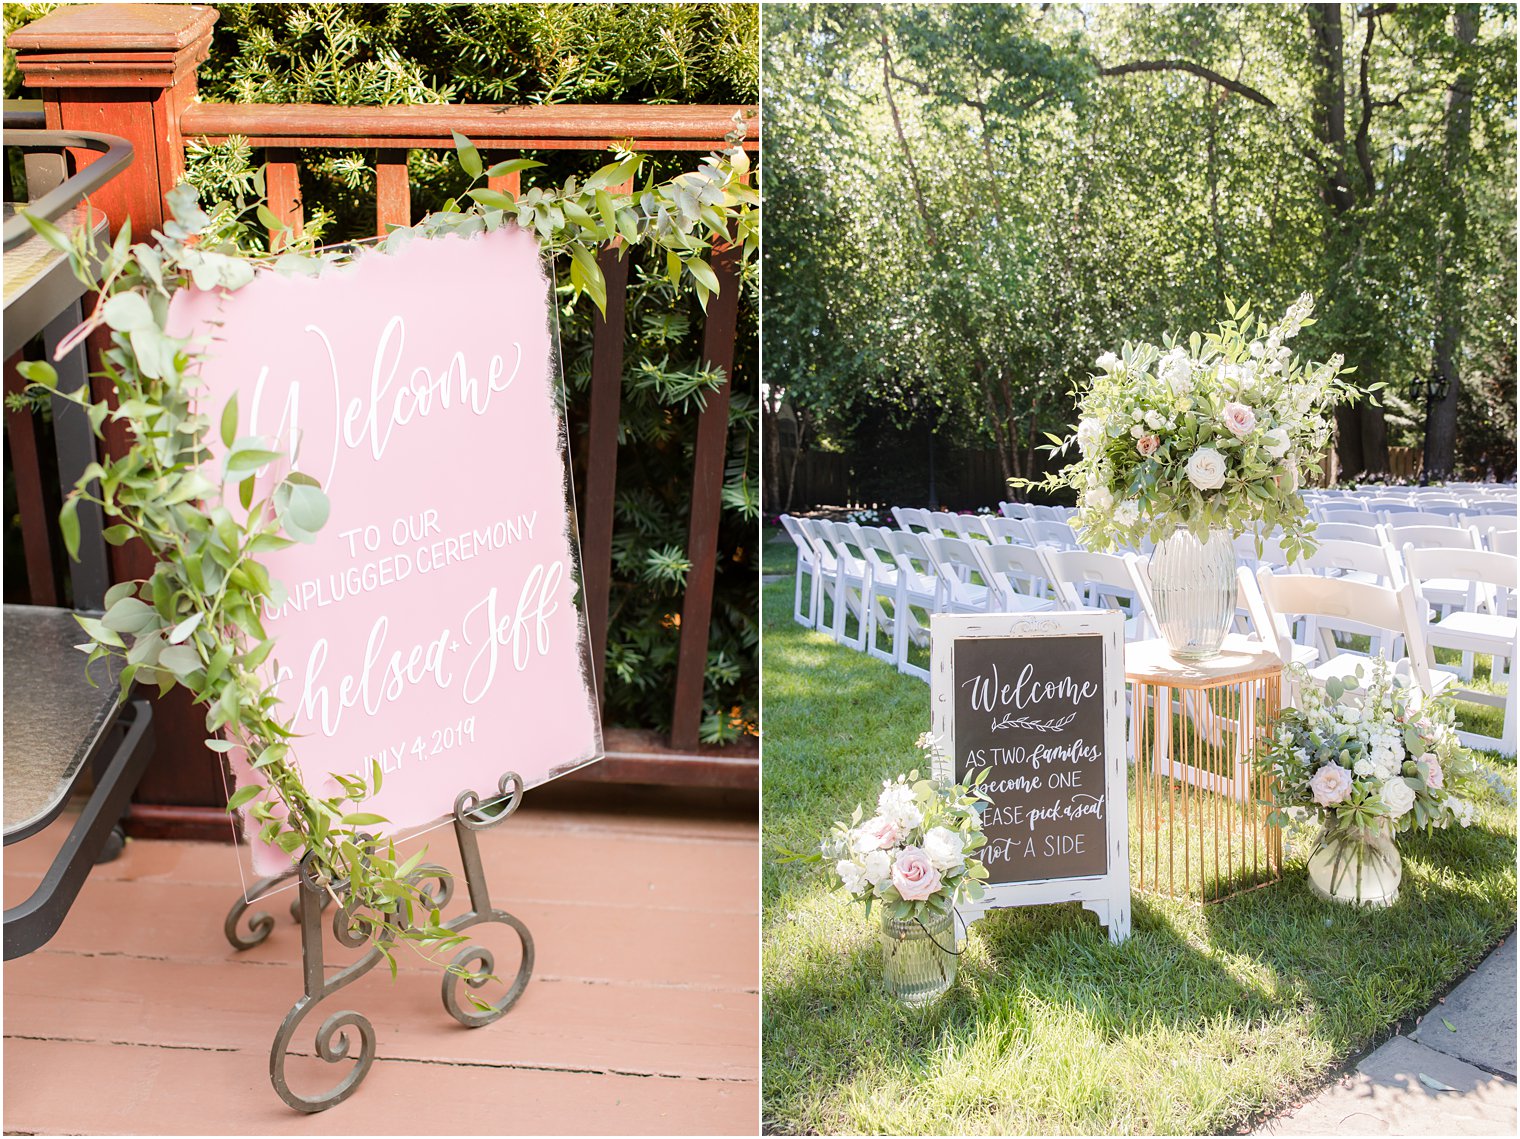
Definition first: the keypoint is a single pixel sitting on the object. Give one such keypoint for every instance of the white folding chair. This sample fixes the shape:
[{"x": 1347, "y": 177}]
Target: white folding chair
[
  {"x": 807, "y": 566},
  {"x": 917, "y": 586},
  {"x": 1341, "y": 513},
  {"x": 1501, "y": 541},
  {"x": 1483, "y": 521},
  {"x": 1351, "y": 532},
  {"x": 877, "y": 549},
  {"x": 1003, "y": 530},
  {"x": 912, "y": 519},
  {"x": 1484, "y": 625},
  {"x": 1018, "y": 574},
  {"x": 956, "y": 565},
  {"x": 973, "y": 527},
  {"x": 1087, "y": 580},
  {"x": 1016, "y": 510},
  {"x": 944, "y": 524},
  {"x": 1356, "y": 561},
  {"x": 851, "y": 585},
  {"x": 1403, "y": 519},
  {"x": 1349, "y": 606},
  {"x": 1052, "y": 535}
]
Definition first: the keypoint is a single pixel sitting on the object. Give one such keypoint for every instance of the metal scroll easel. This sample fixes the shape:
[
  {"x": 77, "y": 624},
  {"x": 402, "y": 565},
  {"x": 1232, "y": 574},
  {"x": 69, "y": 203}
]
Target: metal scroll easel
[{"x": 472, "y": 965}]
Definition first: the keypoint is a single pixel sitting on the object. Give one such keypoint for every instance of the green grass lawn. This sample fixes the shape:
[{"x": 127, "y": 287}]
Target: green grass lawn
[{"x": 1207, "y": 1018}]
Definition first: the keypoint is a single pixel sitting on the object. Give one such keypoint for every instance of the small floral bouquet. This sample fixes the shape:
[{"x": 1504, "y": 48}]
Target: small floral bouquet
[
  {"x": 912, "y": 854},
  {"x": 1215, "y": 432},
  {"x": 1365, "y": 755}
]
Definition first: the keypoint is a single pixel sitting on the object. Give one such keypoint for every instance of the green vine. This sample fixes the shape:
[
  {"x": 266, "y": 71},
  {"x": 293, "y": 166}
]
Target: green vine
[{"x": 196, "y": 620}]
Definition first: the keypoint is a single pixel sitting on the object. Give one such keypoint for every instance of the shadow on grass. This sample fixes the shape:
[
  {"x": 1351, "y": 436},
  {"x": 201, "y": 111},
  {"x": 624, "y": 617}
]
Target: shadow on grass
[{"x": 1208, "y": 1017}]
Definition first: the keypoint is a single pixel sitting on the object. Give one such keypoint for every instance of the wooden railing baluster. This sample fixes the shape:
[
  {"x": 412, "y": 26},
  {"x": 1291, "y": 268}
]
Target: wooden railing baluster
[
  {"x": 601, "y": 456},
  {"x": 282, "y": 185},
  {"x": 21, "y": 430},
  {"x": 393, "y": 191},
  {"x": 706, "y": 505}
]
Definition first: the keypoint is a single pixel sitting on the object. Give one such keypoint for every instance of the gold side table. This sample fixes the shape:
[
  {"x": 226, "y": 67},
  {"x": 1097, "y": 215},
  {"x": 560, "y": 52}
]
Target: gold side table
[{"x": 1198, "y": 824}]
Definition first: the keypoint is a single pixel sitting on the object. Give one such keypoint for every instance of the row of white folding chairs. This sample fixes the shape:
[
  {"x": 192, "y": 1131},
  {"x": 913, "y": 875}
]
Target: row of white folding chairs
[
  {"x": 1046, "y": 532},
  {"x": 879, "y": 576},
  {"x": 1034, "y": 510},
  {"x": 1405, "y": 619}
]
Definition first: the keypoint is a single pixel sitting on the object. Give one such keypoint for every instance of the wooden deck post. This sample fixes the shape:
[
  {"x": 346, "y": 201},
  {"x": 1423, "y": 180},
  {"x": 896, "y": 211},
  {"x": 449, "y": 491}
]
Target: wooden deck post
[{"x": 129, "y": 70}]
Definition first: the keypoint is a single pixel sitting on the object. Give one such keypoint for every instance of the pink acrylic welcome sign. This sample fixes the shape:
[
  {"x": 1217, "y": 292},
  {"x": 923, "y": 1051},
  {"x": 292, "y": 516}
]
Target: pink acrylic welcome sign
[{"x": 433, "y": 625}]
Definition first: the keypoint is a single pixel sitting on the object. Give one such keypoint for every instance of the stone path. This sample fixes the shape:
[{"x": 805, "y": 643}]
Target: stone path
[{"x": 1453, "y": 1075}]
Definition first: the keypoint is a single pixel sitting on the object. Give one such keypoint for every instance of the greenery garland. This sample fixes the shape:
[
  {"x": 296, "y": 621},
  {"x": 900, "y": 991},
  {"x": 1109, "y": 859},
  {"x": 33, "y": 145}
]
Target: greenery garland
[{"x": 196, "y": 621}]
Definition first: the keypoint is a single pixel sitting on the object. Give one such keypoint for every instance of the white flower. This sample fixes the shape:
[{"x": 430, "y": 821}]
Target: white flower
[
  {"x": 898, "y": 806},
  {"x": 1351, "y": 714},
  {"x": 945, "y": 848},
  {"x": 1153, "y": 420},
  {"x": 1177, "y": 370},
  {"x": 1205, "y": 469},
  {"x": 1275, "y": 442},
  {"x": 1137, "y": 431},
  {"x": 1398, "y": 797},
  {"x": 1108, "y": 362},
  {"x": 1128, "y": 513},
  {"x": 1364, "y": 767},
  {"x": 1089, "y": 436},
  {"x": 1258, "y": 349},
  {"x": 877, "y": 867},
  {"x": 1462, "y": 809},
  {"x": 1099, "y": 498},
  {"x": 852, "y": 875}
]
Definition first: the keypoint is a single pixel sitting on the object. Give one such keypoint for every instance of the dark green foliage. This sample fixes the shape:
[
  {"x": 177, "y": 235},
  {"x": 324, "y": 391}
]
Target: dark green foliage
[{"x": 969, "y": 203}]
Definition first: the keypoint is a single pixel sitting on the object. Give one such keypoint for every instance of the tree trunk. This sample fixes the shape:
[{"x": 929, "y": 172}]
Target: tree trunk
[
  {"x": 771, "y": 496},
  {"x": 1441, "y": 416},
  {"x": 1326, "y": 53}
]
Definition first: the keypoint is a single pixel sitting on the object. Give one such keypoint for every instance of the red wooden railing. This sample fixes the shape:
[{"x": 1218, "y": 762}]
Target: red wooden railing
[{"x": 130, "y": 70}]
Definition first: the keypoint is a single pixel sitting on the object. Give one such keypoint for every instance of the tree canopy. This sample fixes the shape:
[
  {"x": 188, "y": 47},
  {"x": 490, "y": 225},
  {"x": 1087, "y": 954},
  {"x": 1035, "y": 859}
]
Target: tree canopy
[{"x": 968, "y": 203}]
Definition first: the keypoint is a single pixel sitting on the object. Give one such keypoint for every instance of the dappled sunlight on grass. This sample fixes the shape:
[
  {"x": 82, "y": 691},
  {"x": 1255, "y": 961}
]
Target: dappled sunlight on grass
[{"x": 1208, "y": 1017}]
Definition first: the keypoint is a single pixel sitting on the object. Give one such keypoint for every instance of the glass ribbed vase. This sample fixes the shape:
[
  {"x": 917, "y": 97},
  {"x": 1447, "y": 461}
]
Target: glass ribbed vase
[
  {"x": 1193, "y": 589},
  {"x": 917, "y": 957},
  {"x": 1358, "y": 865}
]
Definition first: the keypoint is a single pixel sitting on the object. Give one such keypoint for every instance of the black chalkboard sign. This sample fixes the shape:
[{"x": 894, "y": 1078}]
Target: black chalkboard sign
[
  {"x": 1030, "y": 710},
  {"x": 1036, "y": 700}
]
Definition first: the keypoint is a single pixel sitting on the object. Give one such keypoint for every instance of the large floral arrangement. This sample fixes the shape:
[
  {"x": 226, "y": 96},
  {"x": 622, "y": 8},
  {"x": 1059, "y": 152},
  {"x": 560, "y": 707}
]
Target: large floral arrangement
[
  {"x": 1213, "y": 432},
  {"x": 914, "y": 852},
  {"x": 1367, "y": 751}
]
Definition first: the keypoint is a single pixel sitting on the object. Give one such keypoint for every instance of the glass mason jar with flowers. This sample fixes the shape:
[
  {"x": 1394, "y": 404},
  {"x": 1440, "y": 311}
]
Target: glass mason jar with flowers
[
  {"x": 1191, "y": 445},
  {"x": 913, "y": 855},
  {"x": 1368, "y": 760}
]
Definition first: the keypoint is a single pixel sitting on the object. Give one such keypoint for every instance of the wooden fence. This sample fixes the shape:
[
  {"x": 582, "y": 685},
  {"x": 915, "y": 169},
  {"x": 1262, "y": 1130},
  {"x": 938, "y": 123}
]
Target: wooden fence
[{"x": 130, "y": 70}]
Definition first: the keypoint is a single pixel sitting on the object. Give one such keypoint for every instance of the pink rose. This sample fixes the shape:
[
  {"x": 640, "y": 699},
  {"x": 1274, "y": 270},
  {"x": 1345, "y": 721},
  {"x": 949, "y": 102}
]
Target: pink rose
[
  {"x": 914, "y": 875},
  {"x": 1147, "y": 445},
  {"x": 1331, "y": 785},
  {"x": 1240, "y": 419},
  {"x": 1435, "y": 777},
  {"x": 882, "y": 831}
]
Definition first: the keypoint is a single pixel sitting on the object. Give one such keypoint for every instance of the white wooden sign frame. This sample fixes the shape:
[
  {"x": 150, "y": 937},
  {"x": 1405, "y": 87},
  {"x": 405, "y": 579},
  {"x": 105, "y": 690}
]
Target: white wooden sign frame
[{"x": 1107, "y": 895}]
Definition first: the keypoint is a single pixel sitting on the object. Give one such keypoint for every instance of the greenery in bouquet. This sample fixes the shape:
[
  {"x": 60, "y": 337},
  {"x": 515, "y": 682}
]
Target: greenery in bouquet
[
  {"x": 1216, "y": 431},
  {"x": 1367, "y": 751},
  {"x": 913, "y": 854}
]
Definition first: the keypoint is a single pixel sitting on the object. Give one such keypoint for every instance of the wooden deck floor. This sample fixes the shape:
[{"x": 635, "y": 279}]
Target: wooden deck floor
[{"x": 642, "y": 1016}]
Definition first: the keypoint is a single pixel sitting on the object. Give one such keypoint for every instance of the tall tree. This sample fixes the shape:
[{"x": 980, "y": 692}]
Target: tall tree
[{"x": 1446, "y": 378}]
